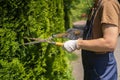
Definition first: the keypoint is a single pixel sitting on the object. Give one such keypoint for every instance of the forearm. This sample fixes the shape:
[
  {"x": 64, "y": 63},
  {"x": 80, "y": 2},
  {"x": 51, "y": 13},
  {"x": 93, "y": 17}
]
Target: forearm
[
  {"x": 104, "y": 44},
  {"x": 97, "y": 45}
]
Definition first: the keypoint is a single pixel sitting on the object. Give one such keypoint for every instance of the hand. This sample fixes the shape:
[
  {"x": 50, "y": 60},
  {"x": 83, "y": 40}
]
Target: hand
[{"x": 70, "y": 45}]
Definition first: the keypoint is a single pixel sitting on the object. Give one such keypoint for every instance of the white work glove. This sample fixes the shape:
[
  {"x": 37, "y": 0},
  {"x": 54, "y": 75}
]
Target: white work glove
[{"x": 70, "y": 45}]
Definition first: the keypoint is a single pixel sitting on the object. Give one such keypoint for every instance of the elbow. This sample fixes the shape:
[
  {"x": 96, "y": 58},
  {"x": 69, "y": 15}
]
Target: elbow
[{"x": 110, "y": 46}]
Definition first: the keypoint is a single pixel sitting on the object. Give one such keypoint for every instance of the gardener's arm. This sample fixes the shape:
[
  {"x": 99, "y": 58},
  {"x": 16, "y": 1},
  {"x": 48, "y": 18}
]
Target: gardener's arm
[{"x": 104, "y": 44}]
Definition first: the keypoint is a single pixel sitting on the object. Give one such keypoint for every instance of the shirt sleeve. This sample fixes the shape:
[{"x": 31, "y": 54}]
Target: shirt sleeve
[{"x": 109, "y": 13}]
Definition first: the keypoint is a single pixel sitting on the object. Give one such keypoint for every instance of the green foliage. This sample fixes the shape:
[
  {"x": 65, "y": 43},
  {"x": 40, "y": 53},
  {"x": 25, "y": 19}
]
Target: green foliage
[
  {"x": 13, "y": 70},
  {"x": 32, "y": 18},
  {"x": 67, "y": 7},
  {"x": 79, "y": 8}
]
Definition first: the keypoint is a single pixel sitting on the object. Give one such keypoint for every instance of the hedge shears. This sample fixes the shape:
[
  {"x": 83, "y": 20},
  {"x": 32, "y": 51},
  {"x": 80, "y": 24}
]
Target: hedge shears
[
  {"x": 69, "y": 34},
  {"x": 39, "y": 40}
]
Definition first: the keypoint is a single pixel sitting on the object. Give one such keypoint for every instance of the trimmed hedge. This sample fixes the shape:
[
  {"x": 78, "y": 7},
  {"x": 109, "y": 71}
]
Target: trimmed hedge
[{"x": 32, "y": 18}]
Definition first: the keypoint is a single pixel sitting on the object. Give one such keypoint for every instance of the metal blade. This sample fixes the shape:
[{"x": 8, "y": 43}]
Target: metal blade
[{"x": 34, "y": 42}]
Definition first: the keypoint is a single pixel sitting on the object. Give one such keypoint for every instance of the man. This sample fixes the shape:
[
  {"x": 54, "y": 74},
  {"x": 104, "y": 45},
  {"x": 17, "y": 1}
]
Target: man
[{"x": 99, "y": 41}]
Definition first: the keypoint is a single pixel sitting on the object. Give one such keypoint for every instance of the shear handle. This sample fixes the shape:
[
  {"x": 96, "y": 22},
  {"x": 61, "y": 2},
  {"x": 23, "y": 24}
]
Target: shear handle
[{"x": 57, "y": 43}]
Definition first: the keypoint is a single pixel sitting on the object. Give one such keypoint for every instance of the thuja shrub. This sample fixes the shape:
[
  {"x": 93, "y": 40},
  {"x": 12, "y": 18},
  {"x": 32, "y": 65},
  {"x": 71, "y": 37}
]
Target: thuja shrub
[{"x": 32, "y": 18}]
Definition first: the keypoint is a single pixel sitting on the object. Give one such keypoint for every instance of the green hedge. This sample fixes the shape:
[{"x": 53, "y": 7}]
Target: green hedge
[{"x": 32, "y": 18}]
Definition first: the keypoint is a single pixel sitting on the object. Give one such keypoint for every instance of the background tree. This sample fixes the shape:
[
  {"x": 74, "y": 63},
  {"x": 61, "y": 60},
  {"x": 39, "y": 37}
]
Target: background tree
[{"x": 80, "y": 9}]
